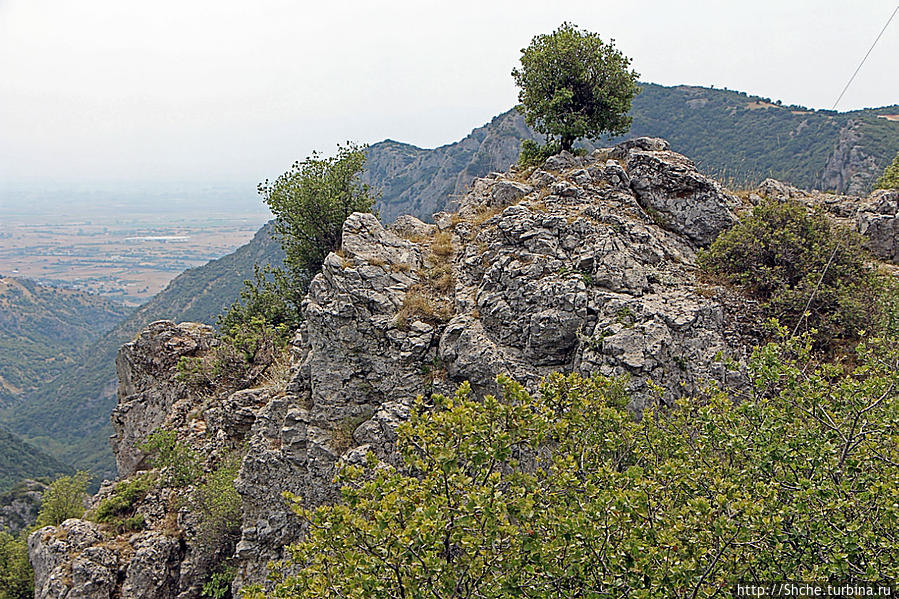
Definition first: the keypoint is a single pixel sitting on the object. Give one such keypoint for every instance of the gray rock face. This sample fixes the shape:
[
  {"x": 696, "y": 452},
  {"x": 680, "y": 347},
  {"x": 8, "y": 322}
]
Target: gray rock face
[
  {"x": 849, "y": 168},
  {"x": 148, "y": 385},
  {"x": 562, "y": 271},
  {"x": 19, "y": 507},
  {"x": 668, "y": 186},
  {"x": 878, "y": 220},
  {"x": 559, "y": 269}
]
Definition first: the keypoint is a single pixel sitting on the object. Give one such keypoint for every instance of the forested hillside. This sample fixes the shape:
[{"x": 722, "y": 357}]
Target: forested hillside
[
  {"x": 20, "y": 460},
  {"x": 69, "y": 416},
  {"x": 44, "y": 329}
]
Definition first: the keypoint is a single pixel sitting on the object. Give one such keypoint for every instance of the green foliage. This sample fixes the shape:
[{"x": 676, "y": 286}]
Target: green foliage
[
  {"x": 16, "y": 575},
  {"x": 179, "y": 465},
  {"x": 802, "y": 268},
  {"x": 564, "y": 494},
  {"x": 535, "y": 154},
  {"x": 117, "y": 509},
  {"x": 311, "y": 201},
  {"x": 218, "y": 503},
  {"x": 63, "y": 499},
  {"x": 219, "y": 584},
  {"x": 575, "y": 85},
  {"x": 890, "y": 177},
  {"x": 269, "y": 303}
]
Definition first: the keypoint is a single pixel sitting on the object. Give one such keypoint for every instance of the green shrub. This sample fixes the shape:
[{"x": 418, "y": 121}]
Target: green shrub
[
  {"x": 16, "y": 575},
  {"x": 565, "y": 494},
  {"x": 890, "y": 177},
  {"x": 179, "y": 465},
  {"x": 805, "y": 271},
  {"x": 117, "y": 509},
  {"x": 534, "y": 154},
  {"x": 218, "y": 504},
  {"x": 219, "y": 584},
  {"x": 63, "y": 499}
]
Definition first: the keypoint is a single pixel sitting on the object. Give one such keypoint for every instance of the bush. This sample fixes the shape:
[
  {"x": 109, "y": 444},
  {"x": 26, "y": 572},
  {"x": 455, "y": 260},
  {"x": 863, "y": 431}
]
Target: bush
[
  {"x": 218, "y": 503},
  {"x": 564, "y": 494},
  {"x": 269, "y": 305},
  {"x": 533, "y": 154},
  {"x": 16, "y": 575},
  {"x": 117, "y": 509},
  {"x": 805, "y": 271},
  {"x": 890, "y": 177},
  {"x": 63, "y": 499},
  {"x": 179, "y": 465}
]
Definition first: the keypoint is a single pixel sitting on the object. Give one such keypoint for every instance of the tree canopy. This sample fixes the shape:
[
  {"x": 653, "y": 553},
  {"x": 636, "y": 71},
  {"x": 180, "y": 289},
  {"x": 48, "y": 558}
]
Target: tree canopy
[
  {"x": 310, "y": 203},
  {"x": 563, "y": 493},
  {"x": 575, "y": 85}
]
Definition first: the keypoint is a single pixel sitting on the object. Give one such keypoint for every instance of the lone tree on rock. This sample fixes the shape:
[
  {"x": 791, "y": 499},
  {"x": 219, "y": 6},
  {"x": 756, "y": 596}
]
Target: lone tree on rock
[{"x": 575, "y": 85}]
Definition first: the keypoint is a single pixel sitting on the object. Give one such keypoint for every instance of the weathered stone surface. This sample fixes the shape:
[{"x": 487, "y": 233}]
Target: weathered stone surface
[
  {"x": 676, "y": 195},
  {"x": 19, "y": 507},
  {"x": 563, "y": 271},
  {"x": 70, "y": 562},
  {"x": 148, "y": 386}
]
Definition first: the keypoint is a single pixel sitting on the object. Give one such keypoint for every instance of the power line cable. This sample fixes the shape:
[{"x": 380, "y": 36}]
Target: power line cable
[{"x": 851, "y": 79}]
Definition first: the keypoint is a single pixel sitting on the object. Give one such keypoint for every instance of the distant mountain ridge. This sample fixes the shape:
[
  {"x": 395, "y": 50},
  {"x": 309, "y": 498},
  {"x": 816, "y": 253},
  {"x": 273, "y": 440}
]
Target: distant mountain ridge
[{"x": 733, "y": 136}]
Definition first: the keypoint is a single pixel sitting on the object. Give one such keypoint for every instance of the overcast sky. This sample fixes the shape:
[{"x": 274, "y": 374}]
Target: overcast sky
[{"x": 228, "y": 92}]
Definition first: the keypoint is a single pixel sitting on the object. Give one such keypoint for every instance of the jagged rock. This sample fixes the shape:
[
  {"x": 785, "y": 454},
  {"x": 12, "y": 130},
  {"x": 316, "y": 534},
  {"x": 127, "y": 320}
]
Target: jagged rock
[
  {"x": 778, "y": 190},
  {"x": 682, "y": 200},
  {"x": 148, "y": 385},
  {"x": 70, "y": 562},
  {"x": 409, "y": 227},
  {"x": 878, "y": 220},
  {"x": 564, "y": 272}
]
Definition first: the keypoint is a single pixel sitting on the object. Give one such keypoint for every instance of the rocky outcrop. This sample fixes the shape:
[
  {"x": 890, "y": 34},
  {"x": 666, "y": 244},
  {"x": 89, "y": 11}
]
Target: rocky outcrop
[
  {"x": 849, "y": 168},
  {"x": 563, "y": 268},
  {"x": 586, "y": 264},
  {"x": 149, "y": 387}
]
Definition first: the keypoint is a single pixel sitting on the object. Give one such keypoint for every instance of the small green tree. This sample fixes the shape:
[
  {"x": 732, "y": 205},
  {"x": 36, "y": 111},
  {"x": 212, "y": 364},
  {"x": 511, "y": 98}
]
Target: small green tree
[
  {"x": 575, "y": 85},
  {"x": 63, "y": 499},
  {"x": 179, "y": 465},
  {"x": 890, "y": 177},
  {"x": 311, "y": 201}
]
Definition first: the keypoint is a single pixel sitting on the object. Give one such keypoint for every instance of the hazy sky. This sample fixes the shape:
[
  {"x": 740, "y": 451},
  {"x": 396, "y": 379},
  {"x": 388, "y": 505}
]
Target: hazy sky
[{"x": 228, "y": 92}]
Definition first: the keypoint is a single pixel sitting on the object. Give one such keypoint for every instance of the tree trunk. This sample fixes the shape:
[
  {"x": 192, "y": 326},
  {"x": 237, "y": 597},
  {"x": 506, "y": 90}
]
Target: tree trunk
[{"x": 566, "y": 143}]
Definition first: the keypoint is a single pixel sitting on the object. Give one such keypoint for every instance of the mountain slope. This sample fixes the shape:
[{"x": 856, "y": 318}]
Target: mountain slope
[
  {"x": 69, "y": 416},
  {"x": 20, "y": 460},
  {"x": 739, "y": 138},
  {"x": 42, "y": 331}
]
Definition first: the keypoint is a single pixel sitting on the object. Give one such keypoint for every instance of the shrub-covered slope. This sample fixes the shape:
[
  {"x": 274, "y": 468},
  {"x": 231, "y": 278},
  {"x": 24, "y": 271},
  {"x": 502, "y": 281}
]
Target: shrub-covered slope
[{"x": 20, "y": 460}]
